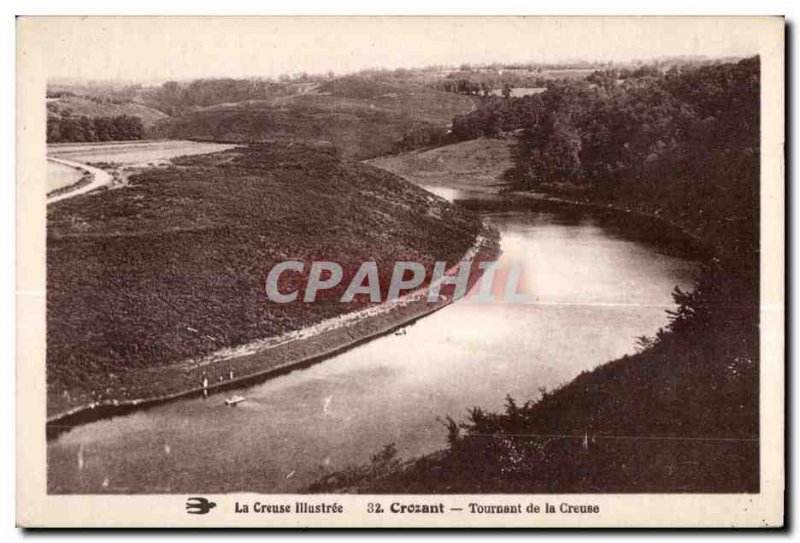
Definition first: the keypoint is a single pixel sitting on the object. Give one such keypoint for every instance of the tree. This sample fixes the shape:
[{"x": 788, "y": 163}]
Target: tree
[{"x": 84, "y": 128}]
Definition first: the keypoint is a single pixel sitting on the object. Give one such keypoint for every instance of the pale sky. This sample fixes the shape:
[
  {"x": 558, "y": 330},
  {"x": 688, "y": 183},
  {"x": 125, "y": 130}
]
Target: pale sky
[{"x": 161, "y": 48}]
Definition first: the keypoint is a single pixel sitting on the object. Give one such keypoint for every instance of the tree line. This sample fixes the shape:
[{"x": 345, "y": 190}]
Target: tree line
[
  {"x": 608, "y": 129},
  {"x": 69, "y": 128},
  {"x": 485, "y": 84}
]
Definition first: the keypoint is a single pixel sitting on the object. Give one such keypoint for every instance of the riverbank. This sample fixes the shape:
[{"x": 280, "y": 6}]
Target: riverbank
[
  {"x": 392, "y": 388},
  {"x": 83, "y": 178},
  {"x": 664, "y": 420},
  {"x": 652, "y": 228},
  {"x": 237, "y": 364},
  {"x": 265, "y": 359},
  {"x": 92, "y": 178},
  {"x": 680, "y": 415}
]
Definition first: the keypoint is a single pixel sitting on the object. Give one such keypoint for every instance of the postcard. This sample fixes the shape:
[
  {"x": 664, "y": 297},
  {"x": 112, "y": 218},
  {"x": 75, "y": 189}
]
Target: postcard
[{"x": 512, "y": 272}]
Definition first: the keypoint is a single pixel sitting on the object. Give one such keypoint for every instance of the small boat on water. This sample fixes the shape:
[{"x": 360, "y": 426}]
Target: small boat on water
[{"x": 233, "y": 400}]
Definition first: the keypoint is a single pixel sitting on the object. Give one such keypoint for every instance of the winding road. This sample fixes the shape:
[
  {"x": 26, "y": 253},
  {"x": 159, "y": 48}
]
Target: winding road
[{"x": 99, "y": 178}]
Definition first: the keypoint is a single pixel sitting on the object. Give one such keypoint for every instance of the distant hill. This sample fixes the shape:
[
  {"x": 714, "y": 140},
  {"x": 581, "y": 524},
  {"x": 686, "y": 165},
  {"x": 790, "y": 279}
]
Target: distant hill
[
  {"x": 358, "y": 87},
  {"x": 100, "y": 107},
  {"x": 360, "y": 117}
]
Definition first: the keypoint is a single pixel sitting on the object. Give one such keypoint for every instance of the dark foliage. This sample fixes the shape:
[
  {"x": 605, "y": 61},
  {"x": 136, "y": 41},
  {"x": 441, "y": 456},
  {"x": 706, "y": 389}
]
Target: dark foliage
[
  {"x": 648, "y": 126},
  {"x": 422, "y": 134},
  {"x": 69, "y": 128}
]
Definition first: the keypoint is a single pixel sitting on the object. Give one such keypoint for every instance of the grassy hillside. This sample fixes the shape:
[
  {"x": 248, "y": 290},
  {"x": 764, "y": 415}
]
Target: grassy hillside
[
  {"x": 174, "y": 265},
  {"x": 99, "y": 107},
  {"x": 362, "y": 119},
  {"x": 474, "y": 166}
]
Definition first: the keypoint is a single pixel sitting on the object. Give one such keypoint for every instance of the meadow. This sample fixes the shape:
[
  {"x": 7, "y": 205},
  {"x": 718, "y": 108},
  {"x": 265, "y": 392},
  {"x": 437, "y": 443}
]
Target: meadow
[{"x": 474, "y": 166}]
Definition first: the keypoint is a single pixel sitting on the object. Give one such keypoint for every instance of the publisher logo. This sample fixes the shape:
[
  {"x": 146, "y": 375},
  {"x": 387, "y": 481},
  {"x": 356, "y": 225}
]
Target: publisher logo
[{"x": 199, "y": 506}]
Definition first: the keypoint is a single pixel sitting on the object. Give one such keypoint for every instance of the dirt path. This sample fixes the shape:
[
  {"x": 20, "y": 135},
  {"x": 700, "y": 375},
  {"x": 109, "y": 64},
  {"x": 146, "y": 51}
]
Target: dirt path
[{"x": 99, "y": 179}]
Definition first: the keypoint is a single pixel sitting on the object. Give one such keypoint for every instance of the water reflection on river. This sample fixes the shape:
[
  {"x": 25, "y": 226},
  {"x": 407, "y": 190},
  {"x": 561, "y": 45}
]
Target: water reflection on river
[{"x": 595, "y": 291}]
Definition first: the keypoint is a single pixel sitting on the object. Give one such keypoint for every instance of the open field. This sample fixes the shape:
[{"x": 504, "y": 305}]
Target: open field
[
  {"x": 569, "y": 73},
  {"x": 172, "y": 267},
  {"x": 471, "y": 167},
  {"x": 132, "y": 153},
  {"x": 516, "y": 92}
]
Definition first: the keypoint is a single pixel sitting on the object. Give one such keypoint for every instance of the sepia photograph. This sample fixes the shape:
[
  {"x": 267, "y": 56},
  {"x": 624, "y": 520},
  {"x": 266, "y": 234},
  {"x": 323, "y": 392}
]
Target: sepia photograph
[{"x": 466, "y": 270}]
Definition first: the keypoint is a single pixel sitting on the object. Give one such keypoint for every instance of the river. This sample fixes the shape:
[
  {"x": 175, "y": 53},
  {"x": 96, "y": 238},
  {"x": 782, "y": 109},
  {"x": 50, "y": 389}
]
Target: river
[
  {"x": 60, "y": 176},
  {"x": 595, "y": 287}
]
